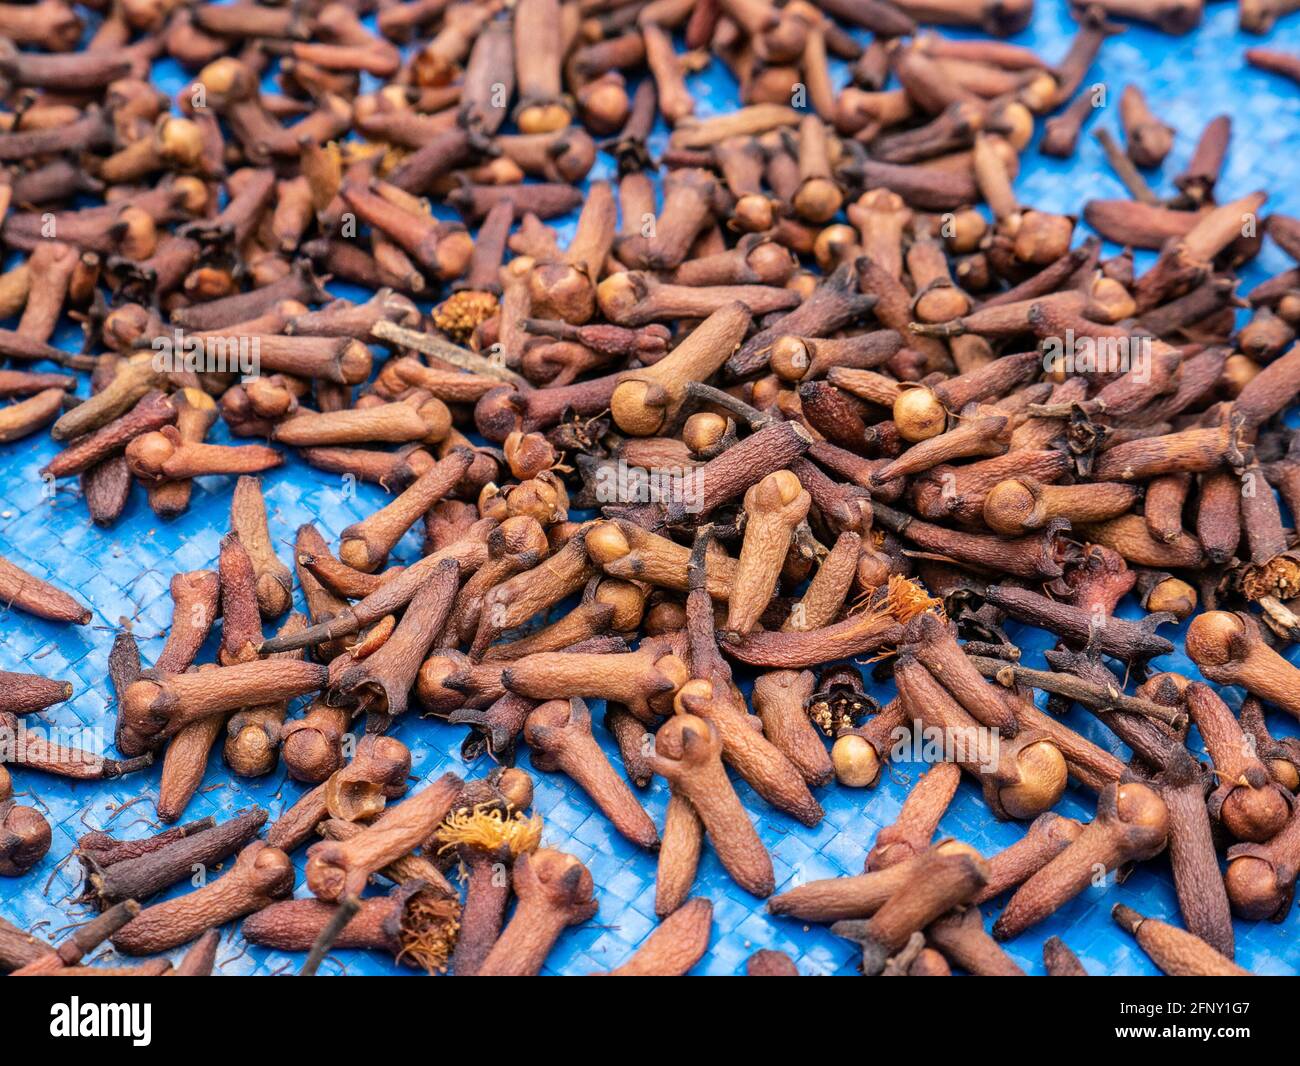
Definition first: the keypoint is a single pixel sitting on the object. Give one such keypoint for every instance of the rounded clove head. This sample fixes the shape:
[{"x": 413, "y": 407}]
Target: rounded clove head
[
  {"x": 1238, "y": 371},
  {"x": 665, "y": 616},
  {"x": 1043, "y": 238},
  {"x": 24, "y": 839},
  {"x": 1255, "y": 888},
  {"x": 618, "y": 295},
  {"x": 687, "y": 739},
  {"x": 1283, "y": 771},
  {"x": 253, "y": 750},
  {"x": 965, "y": 231},
  {"x": 1213, "y": 636},
  {"x": 1012, "y": 507},
  {"x": 516, "y": 786},
  {"x": 627, "y": 600},
  {"x": 561, "y": 290},
  {"x": 855, "y": 761},
  {"x": 835, "y": 244},
  {"x": 774, "y": 492},
  {"x": 790, "y": 358},
  {"x": 311, "y": 755},
  {"x": 1140, "y": 806},
  {"x": 528, "y": 454},
  {"x": 1174, "y": 596},
  {"x": 543, "y": 117},
  {"x": 606, "y": 543},
  {"x": 180, "y": 141},
  {"x": 148, "y": 454},
  {"x": 639, "y": 407},
  {"x": 560, "y": 880},
  {"x": 753, "y": 213},
  {"x": 1255, "y": 813},
  {"x": 703, "y": 431},
  {"x": 433, "y": 683}
]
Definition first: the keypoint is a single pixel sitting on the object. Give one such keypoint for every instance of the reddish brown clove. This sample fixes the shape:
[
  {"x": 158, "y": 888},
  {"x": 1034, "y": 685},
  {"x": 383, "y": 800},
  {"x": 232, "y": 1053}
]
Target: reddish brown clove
[
  {"x": 559, "y": 733},
  {"x": 688, "y": 753},
  {"x": 1131, "y": 824},
  {"x": 938, "y": 883},
  {"x": 554, "y": 891},
  {"x": 261, "y": 874}
]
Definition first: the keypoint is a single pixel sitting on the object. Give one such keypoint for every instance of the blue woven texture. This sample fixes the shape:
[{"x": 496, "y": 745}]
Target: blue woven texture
[{"x": 123, "y": 573}]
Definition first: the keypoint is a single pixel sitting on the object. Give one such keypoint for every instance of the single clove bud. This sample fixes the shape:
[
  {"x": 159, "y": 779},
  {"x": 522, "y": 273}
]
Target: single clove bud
[
  {"x": 261, "y": 874},
  {"x": 1148, "y": 140},
  {"x": 934, "y": 886},
  {"x": 688, "y": 753},
  {"x": 1247, "y": 801},
  {"x": 774, "y": 508},
  {"x": 644, "y": 401},
  {"x": 1131, "y": 824},
  {"x": 1229, "y": 650},
  {"x": 20, "y": 589},
  {"x": 559, "y": 733},
  {"x": 554, "y": 891},
  {"x": 645, "y": 681}
]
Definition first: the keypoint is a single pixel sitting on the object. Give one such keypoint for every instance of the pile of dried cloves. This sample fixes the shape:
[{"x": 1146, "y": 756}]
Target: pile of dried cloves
[{"x": 829, "y": 391}]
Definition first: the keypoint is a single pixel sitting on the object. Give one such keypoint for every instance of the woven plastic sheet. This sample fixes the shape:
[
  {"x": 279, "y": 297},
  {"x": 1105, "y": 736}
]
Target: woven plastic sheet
[{"x": 123, "y": 574}]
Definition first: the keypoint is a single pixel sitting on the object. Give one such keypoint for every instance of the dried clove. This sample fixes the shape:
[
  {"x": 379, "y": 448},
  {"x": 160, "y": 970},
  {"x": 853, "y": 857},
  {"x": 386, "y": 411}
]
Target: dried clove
[
  {"x": 559, "y": 733},
  {"x": 261, "y": 874},
  {"x": 1131, "y": 824},
  {"x": 554, "y": 891}
]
